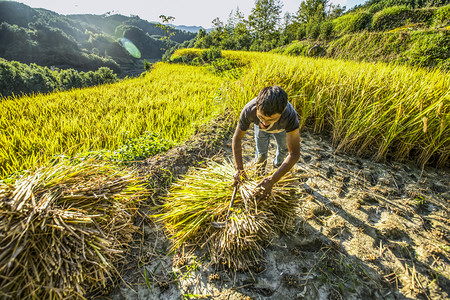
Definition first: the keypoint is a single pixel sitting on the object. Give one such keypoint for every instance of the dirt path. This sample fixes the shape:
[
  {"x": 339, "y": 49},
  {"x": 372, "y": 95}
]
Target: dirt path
[{"x": 365, "y": 230}]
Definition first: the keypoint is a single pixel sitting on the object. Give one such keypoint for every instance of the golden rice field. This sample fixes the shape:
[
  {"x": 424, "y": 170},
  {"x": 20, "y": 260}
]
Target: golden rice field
[
  {"x": 171, "y": 101},
  {"x": 370, "y": 109},
  {"x": 377, "y": 110}
]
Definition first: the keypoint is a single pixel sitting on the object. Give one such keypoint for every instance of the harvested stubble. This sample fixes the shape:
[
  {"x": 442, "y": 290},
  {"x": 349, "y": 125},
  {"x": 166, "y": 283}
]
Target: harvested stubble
[
  {"x": 63, "y": 227},
  {"x": 204, "y": 195}
]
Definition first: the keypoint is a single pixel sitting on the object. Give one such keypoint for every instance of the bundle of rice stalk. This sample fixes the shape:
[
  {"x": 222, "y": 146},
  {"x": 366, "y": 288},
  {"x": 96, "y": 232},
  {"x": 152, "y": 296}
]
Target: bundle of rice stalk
[
  {"x": 204, "y": 195},
  {"x": 63, "y": 227}
]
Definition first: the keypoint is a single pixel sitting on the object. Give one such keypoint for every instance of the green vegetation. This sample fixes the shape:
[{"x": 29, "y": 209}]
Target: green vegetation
[
  {"x": 51, "y": 47},
  {"x": 321, "y": 29},
  {"x": 425, "y": 48},
  {"x": 139, "y": 148},
  {"x": 212, "y": 59},
  {"x": 21, "y": 79},
  {"x": 352, "y": 22},
  {"x": 170, "y": 101},
  {"x": 81, "y": 42},
  {"x": 442, "y": 17}
]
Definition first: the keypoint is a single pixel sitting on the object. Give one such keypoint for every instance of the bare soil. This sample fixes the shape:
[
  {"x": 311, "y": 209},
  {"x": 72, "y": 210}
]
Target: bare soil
[{"x": 365, "y": 230}]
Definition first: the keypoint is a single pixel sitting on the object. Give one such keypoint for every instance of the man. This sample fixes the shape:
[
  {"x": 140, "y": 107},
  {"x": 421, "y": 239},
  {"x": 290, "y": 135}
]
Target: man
[{"x": 271, "y": 113}]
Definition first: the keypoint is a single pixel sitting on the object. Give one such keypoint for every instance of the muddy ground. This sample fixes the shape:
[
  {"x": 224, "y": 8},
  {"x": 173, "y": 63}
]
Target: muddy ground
[{"x": 364, "y": 230}]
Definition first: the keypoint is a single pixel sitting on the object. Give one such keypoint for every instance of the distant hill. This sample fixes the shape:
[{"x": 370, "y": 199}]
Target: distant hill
[
  {"x": 193, "y": 29},
  {"x": 82, "y": 42}
]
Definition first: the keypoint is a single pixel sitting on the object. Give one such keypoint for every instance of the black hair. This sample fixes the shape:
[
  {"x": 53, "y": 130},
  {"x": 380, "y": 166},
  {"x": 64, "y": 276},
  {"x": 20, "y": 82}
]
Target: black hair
[{"x": 271, "y": 100}]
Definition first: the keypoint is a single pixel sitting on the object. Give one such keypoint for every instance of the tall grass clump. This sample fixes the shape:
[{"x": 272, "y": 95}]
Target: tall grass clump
[
  {"x": 169, "y": 101},
  {"x": 64, "y": 227},
  {"x": 352, "y": 22},
  {"x": 424, "y": 48},
  {"x": 441, "y": 17},
  {"x": 295, "y": 48},
  {"x": 376, "y": 110},
  {"x": 204, "y": 195},
  {"x": 391, "y": 17}
]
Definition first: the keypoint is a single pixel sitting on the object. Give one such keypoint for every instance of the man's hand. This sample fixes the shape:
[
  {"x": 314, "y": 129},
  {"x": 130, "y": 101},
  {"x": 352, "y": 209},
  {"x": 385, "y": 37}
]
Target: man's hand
[
  {"x": 239, "y": 176},
  {"x": 263, "y": 189}
]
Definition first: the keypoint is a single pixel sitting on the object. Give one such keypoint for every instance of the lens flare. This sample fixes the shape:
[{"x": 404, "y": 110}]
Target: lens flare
[{"x": 130, "y": 47}]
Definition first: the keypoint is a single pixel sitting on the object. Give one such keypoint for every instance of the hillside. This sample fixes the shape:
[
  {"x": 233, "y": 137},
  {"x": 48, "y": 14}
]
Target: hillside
[
  {"x": 81, "y": 42},
  {"x": 193, "y": 29},
  {"x": 404, "y": 32},
  {"x": 393, "y": 31}
]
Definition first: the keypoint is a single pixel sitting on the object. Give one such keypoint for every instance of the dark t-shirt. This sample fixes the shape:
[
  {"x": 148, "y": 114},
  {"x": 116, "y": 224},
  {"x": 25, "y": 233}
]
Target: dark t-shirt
[{"x": 288, "y": 120}]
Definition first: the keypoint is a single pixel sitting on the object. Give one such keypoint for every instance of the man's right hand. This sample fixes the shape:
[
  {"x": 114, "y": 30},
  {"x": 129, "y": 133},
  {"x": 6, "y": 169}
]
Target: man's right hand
[{"x": 239, "y": 176}]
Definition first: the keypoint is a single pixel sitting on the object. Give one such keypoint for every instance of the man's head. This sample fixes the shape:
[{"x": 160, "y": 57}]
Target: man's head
[{"x": 270, "y": 104}]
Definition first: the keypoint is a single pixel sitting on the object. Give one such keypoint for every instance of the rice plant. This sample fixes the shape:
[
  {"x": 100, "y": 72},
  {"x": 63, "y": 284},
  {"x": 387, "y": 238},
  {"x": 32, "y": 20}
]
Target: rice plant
[
  {"x": 370, "y": 109},
  {"x": 204, "y": 195},
  {"x": 377, "y": 110},
  {"x": 64, "y": 227},
  {"x": 171, "y": 101}
]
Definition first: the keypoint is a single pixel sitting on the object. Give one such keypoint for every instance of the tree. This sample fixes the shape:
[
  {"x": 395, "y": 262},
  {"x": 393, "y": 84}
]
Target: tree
[
  {"x": 264, "y": 19},
  {"x": 217, "y": 24},
  {"x": 289, "y": 29},
  {"x": 168, "y": 30},
  {"x": 335, "y": 11},
  {"x": 310, "y": 10},
  {"x": 234, "y": 18},
  {"x": 218, "y": 34}
]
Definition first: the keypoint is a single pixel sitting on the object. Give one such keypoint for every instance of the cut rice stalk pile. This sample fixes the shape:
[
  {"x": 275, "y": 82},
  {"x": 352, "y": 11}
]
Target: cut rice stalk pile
[
  {"x": 63, "y": 227},
  {"x": 204, "y": 195}
]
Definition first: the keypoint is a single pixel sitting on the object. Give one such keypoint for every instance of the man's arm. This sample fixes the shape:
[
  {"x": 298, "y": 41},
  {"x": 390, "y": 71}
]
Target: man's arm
[
  {"x": 293, "y": 144},
  {"x": 237, "y": 153}
]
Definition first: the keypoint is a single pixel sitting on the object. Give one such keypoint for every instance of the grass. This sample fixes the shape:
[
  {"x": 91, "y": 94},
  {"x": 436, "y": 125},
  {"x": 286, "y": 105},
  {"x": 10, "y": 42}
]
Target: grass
[{"x": 170, "y": 101}]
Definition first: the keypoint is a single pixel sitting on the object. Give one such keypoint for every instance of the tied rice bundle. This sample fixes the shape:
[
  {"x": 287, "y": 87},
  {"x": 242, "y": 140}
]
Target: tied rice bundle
[
  {"x": 63, "y": 227},
  {"x": 204, "y": 196}
]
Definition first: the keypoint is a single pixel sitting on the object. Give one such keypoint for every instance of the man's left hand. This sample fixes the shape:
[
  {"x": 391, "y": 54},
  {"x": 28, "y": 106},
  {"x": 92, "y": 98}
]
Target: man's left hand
[{"x": 263, "y": 189}]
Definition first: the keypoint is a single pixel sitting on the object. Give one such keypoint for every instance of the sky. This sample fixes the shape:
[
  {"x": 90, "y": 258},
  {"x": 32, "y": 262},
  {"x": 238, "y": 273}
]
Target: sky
[{"x": 190, "y": 13}]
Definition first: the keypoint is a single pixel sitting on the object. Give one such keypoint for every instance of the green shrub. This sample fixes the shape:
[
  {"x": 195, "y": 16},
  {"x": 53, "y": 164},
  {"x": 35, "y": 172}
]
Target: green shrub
[
  {"x": 378, "y": 5},
  {"x": 22, "y": 79},
  {"x": 211, "y": 54},
  {"x": 423, "y": 15},
  {"x": 313, "y": 30},
  {"x": 391, "y": 17},
  {"x": 106, "y": 75},
  {"x": 196, "y": 61},
  {"x": 442, "y": 16},
  {"x": 326, "y": 30},
  {"x": 352, "y": 22},
  {"x": 430, "y": 49},
  {"x": 147, "y": 65},
  {"x": 196, "y": 56},
  {"x": 301, "y": 31},
  {"x": 297, "y": 48},
  {"x": 141, "y": 147},
  {"x": 225, "y": 67}
]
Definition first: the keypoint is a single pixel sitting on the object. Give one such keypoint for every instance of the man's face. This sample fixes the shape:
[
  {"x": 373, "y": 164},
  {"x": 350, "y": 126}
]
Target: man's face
[{"x": 266, "y": 121}]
